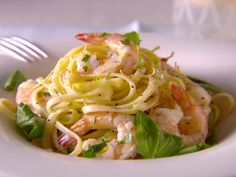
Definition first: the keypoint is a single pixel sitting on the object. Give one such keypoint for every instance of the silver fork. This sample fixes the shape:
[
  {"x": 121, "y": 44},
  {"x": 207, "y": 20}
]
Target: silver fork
[{"x": 21, "y": 49}]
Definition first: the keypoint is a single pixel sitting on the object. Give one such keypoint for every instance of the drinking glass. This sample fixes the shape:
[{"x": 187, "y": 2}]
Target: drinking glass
[{"x": 205, "y": 18}]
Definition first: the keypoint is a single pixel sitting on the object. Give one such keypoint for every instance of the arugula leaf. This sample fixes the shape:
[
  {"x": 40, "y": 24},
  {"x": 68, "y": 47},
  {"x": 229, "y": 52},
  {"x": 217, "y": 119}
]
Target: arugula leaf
[
  {"x": 207, "y": 86},
  {"x": 193, "y": 148},
  {"x": 125, "y": 42},
  {"x": 146, "y": 135},
  {"x": 26, "y": 121},
  {"x": 151, "y": 142},
  {"x": 168, "y": 145},
  {"x": 14, "y": 80},
  {"x": 131, "y": 37},
  {"x": 94, "y": 149}
]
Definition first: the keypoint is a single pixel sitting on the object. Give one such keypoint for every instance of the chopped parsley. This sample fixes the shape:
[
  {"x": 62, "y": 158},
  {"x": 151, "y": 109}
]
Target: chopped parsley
[
  {"x": 85, "y": 57},
  {"x": 85, "y": 68},
  {"x": 108, "y": 76},
  {"x": 142, "y": 63},
  {"x": 94, "y": 150},
  {"x": 94, "y": 120},
  {"x": 44, "y": 94},
  {"x": 104, "y": 34}
]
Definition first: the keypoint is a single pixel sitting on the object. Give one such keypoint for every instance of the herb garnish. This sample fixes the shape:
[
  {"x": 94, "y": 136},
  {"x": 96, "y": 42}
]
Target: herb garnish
[
  {"x": 94, "y": 150},
  {"x": 131, "y": 37},
  {"x": 85, "y": 68},
  {"x": 104, "y": 34},
  {"x": 14, "y": 80},
  {"x": 153, "y": 142},
  {"x": 26, "y": 121},
  {"x": 44, "y": 94},
  {"x": 142, "y": 62},
  {"x": 85, "y": 57}
]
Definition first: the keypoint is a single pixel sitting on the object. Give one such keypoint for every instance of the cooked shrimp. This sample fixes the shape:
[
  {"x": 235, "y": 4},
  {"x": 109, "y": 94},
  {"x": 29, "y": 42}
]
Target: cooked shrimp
[
  {"x": 122, "y": 56},
  {"x": 115, "y": 149},
  {"x": 188, "y": 120},
  {"x": 25, "y": 91},
  {"x": 88, "y": 66},
  {"x": 167, "y": 119},
  {"x": 200, "y": 95},
  {"x": 93, "y": 121},
  {"x": 193, "y": 127}
]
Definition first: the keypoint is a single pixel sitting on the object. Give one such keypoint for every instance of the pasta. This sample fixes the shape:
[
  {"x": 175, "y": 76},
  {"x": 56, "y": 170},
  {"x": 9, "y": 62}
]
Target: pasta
[{"x": 91, "y": 104}]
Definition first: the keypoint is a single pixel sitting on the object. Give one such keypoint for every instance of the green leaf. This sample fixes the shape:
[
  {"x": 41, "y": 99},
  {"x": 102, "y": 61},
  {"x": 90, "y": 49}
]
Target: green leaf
[
  {"x": 146, "y": 135},
  {"x": 151, "y": 142},
  {"x": 14, "y": 80},
  {"x": 26, "y": 121},
  {"x": 168, "y": 145},
  {"x": 207, "y": 86},
  {"x": 131, "y": 37},
  {"x": 36, "y": 131},
  {"x": 125, "y": 41},
  {"x": 193, "y": 148},
  {"x": 94, "y": 150}
]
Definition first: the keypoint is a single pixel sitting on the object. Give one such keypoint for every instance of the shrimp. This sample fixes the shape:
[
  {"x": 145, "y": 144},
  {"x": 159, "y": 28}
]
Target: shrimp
[
  {"x": 188, "y": 120},
  {"x": 193, "y": 127},
  {"x": 200, "y": 95},
  {"x": 25, "y": 91},
  {"x": 100, "y": 121},
  {"x": 122, "y": 56},
  {"x": 167, "y": 119},
  {"x": 115, "y": 149}
]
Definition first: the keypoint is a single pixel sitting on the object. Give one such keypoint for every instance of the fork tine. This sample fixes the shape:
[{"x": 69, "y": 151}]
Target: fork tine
[
  {"x": 13, "y": 48},
  {"x": 22, "y": 46},
  {"x": 11, "y": 53},
  {"x": 28, "y": 44}
]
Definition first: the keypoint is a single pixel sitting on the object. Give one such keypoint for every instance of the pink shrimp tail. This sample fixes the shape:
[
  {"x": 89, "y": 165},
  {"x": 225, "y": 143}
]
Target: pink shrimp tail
[
  {"x": 65, "y": 141},
  {"x": 92, "y": 38}
]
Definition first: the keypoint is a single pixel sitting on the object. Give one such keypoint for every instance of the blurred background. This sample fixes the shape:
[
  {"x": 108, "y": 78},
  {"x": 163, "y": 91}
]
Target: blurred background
[{"x": 193, "y": 18}]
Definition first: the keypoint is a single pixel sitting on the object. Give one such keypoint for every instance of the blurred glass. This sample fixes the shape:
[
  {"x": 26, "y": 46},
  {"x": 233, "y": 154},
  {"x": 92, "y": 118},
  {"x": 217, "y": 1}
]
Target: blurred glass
[{"x": 205, "y": 18}]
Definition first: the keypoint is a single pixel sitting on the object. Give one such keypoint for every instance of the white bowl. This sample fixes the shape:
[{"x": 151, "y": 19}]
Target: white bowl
[{"x": 209, "y": 60}]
